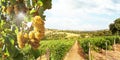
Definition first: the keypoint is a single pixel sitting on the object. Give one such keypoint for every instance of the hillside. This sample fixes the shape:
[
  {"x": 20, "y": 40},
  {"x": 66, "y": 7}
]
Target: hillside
[
  {"x": 60, "y": 34},
  {"x": 70, "y": 34}
]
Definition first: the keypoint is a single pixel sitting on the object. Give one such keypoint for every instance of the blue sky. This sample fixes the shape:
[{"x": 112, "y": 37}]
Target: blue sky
[{"x": 82, "y": 14}]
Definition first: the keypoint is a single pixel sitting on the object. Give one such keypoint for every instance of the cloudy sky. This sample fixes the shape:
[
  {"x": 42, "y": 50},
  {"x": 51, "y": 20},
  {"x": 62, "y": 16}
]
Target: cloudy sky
[{"x": 82, "y": 14}]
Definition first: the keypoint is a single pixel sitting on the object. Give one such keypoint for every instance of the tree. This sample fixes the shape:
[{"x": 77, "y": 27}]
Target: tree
[
  {"x": 115, "y": 27},
  {"x": 14, "y": 16}
]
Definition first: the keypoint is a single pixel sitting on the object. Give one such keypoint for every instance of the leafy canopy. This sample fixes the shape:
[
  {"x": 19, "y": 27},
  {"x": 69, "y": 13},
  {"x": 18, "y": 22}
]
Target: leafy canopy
[{"x": 115, "y": 27}]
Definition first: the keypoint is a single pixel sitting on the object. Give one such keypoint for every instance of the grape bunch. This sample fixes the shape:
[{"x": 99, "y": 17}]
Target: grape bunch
[
  {"x": 34, "y": 36},
  {"x": 38, "y": 32},
  {"x": 9, "y": 9},
  {"x": 22, "y": 39}
]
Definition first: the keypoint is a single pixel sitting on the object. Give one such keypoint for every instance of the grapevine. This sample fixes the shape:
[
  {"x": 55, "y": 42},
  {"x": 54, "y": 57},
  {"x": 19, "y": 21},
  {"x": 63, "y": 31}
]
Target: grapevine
[{"x": 15, "y": 35}]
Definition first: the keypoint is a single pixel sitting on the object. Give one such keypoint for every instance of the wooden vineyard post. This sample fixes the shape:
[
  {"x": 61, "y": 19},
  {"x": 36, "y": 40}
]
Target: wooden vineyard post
[
  {"x": 106, "y": 50},
  {"x": 89, "y": 52},
  {"x": 114, "y": 46}
]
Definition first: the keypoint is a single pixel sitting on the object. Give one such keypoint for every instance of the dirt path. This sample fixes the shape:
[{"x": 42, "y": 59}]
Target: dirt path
[{"x": 75, "y": 53}]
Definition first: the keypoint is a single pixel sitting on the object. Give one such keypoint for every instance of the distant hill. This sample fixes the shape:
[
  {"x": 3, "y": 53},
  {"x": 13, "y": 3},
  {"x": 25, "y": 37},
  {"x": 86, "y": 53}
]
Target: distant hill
[
  {"x": 71, "y": 34},
  {"x": 76, "y": 31}
]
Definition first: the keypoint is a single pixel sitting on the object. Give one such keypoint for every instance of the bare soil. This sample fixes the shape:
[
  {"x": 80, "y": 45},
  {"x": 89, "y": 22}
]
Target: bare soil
[{"x": 75, "y": 53}]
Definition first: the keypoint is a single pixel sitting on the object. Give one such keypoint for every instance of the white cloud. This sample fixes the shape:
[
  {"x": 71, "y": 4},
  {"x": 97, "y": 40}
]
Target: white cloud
[{"x": 82, "y": 14}]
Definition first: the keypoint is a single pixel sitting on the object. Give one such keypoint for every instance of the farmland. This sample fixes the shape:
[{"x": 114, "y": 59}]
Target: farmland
[{"x": 59, "y": 47}]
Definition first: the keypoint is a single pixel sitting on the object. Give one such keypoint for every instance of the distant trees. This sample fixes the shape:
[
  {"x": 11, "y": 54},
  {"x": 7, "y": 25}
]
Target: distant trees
[
  {"x": 55, "y": 36},
  {"x": 115, "y": 27}
]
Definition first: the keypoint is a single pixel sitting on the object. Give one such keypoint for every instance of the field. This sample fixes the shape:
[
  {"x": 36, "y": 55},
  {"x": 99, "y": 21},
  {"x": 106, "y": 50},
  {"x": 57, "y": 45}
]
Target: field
[{"x": 58, "y": 48}]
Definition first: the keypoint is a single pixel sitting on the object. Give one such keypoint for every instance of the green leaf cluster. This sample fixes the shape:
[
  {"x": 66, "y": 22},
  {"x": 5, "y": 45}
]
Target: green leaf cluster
[{"x": 115, "y": 27}]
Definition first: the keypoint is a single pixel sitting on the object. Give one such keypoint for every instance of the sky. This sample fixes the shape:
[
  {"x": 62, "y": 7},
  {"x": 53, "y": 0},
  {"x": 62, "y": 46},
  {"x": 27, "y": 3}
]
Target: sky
[{"x": 84, "y": 15}]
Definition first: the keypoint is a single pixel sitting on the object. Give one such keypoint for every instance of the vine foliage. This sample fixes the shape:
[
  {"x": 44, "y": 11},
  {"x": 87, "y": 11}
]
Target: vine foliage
[{"x": 14, "y": 17}]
